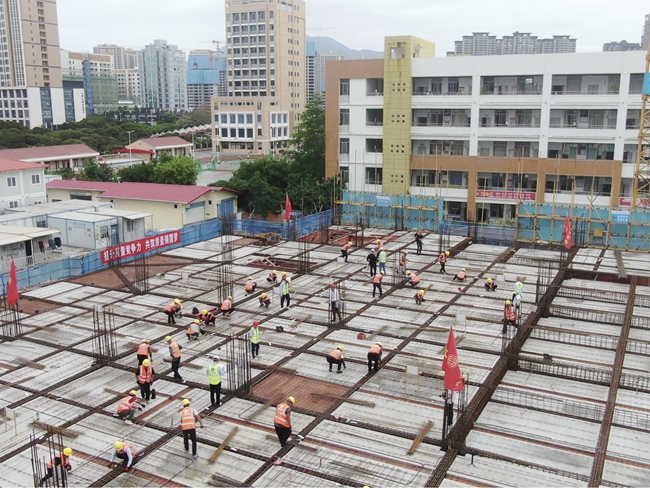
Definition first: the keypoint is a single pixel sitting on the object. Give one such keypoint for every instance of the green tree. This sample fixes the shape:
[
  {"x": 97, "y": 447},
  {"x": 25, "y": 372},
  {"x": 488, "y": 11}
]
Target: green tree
[
  {"x": 92, "y": 171},
  {"x": 180, "y": 170},
  {"x": 138, "y": 173},
  {"x": 65, "y": 173},
  {"x": 308, "y": 155}
]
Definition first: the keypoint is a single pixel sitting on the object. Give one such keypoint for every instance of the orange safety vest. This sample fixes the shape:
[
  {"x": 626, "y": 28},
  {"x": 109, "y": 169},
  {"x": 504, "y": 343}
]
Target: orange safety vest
[
  {"x": 176, "y": 350},
  {"x": 509, "y": 312},
  {"x": 415, "y": 279},
  {"x": 249, "y": 285},
  {"x": 187, "y": 419},
  {"x": 461, "y": 275},
  {"x": 376, "y": 349},
  {"x": 145, "y": 374},
  {"x": 273, "y": 276},
  {"x": 125, "y": 404},
  {"x": 281, "y": 415},
  {"x": 377, "y": 278},
  {"x": 125, "y": 447},
  {"x": 172, "y": 307},
  {"x": 336, "y": 354},
  {"x": 345, "y": 247},
  {"x": 143, "y": 349},
  {"x": 226, "y": 304},
  {"x": 62, "y": 457},
  {"x": 442, "y": 258}
]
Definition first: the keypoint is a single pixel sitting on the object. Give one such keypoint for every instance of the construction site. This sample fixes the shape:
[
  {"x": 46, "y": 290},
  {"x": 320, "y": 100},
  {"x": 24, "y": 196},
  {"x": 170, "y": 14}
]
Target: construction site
[{"x": 563, "y": 399}]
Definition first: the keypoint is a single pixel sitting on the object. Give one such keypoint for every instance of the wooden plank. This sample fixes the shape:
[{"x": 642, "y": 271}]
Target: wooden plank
[
  {"x": 421, "y": 435},
  {"x": 346, "y": 399},
  {"x": 293, "y": 325},
  {"x": 59, "y": 430},
  {"x": 14, "y": 383},
  {"x": 167, "y": 359},
  {"x": 27, "y": 362},
  {"x": 375, "y": 333},
  {"x": 223, "y": 445},
  {"x": 263, "y": 407}
]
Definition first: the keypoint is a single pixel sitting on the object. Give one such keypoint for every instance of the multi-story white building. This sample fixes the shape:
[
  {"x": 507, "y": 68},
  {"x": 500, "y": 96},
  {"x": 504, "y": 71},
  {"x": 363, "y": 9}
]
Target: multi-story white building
[
  {"x": 97, "y": 73},
  {"x": 129, "y": 91},
  {"x": 483, "y": 44},
  {"x": 266, "y": 44},
  {"x": 21, "y": 184},
  {"x": 163, "y": 76},
  {"x": 486, "y": 133},
  {"x": 124, "y": 58}
]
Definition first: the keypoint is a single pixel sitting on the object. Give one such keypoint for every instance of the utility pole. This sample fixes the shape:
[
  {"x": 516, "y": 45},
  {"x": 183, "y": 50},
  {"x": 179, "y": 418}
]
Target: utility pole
[{"x": 130, "y": 152}]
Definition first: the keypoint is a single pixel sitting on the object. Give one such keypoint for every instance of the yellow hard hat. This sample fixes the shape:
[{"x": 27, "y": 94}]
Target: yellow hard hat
[
  {"x": 264, "y": 295},
  {"x": 421, "y": 292},
  {"x": 508, "y": 302},
  {"x": 406, "y": 252},
  {"x": 350, "y": 242},
  {"x": 168, "y": 338},
  {"x": 67, "y": 451},
  {"x": 382, "y": 272},
  {"x": 197, "y": 321},
  {"x": 204, "y": 312},
  {"x": 274, "y": 272},
  {"x": 177, "y": 301},
  {"x": 489, "y": 280},
  {"x": 229, "y": 297},
  {"x": 463, "y": 269},
  {"x": 378, "y": 240},
  {"x": 250, "y": 277},
  {"x": 143, "y": 340},
  {"x": 284, "y": 273},
  {"x": 292, "y": 399},
  {"x": 447, "y": 253},
  {"x": 118, "y": 445},
  {"x": 408, "y": 272},
  {"x": 380, "y": 344},
  {"x": 186, "y": 402},
  {"x": 340, "y": 348},
  {"x": 133, "y": 393},
  {"x": 146, "y": 363}
]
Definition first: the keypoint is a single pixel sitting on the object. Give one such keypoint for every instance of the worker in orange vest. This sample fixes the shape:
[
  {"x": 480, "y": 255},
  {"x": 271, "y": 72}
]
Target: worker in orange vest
[
  {"x": 208, "y": 317},
  {"x": 189, "y": 418},
  {"x": 272, "y": 277},
  {"x": 374, "y": 356},
  {"x": 250, "y": 286},
  {"x": 462, "y": 274},
  {"x": 265, "y": 300},
  {"x": 227, "y": 307},
  {"x": 345, "y": 249},
  {"x": 127, "y": 407},
  {"x": 403, "y": 261},
  {"x": 126, "y": 452},
  {"x": 376, "y": 283},
  {"x": 173, "y": 310},
  {"x": 413, "y": 279},
  {"x": 175, "y": 354},
  {"x": 442, "y": 260},
  {"x": 193, "y": 330},
  {"x": 144, "y": 376},
  {"x": 62, "y": 461},
  {"x": 282, "y": 420},
  {"x": 144, "y": 351},
  {"x": 419, "y": 297},
  {"x": 336, "y": 357},
  {"x": 509, "y": 316}
]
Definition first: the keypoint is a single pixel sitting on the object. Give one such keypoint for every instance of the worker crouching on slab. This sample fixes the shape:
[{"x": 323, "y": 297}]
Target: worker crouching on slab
[
  {"x": 208, "y": 317},
  {"x": 227, "y": 307},
  {"x": 282, "y": 420},
  {"x": 419, "y": 297},
  {"x": 462, "y": 274},
  {"x": 413, "y": 279},
  {"x": 336, "y": 357},
  {"x": 374, "y": 356},
  {"x": 193, "y": 330},
  {"x": 490, "y": 285},
  {"x": 127, "y": 407},
  {"x": 173, "y": 310},
  {"x": 60, "y": 461},
  {"x": 265, "y": 300},
  {"x": 126, "y": 452},
  {"x": 189, "y": 419},
  {"x": 250, "y": 286}
]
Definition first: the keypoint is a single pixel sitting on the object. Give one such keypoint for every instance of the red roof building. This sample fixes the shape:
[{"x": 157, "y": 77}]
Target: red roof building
[{"x": 53, "y": 157}]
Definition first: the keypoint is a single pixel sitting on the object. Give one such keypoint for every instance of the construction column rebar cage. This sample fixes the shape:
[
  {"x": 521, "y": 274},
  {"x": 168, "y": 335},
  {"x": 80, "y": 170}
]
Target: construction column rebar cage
[
  {"x": 239, "y": 375},
  {"x": 54, "y": 444},
  {"x": 225, "y": 287},
  {"x": 10, "y": 322},
  {"x": 141, "y": 281},
  {"x": 104, "y": 340}
]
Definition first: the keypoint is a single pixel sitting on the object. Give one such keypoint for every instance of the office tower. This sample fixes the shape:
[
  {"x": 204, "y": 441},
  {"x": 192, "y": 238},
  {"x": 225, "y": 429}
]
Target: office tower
[
  {"x": 163, "y": 76},
  {"x": 97, "y": 74},
  {"x": 483, "y": 44},
  {"x": 128, "y": 87},
  {"x": 205, "y": 74},
  {"x": 265, "y": 51},
  {"x": 316, "y": 69}
]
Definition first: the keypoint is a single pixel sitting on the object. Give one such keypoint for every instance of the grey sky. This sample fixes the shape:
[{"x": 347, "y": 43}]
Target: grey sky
[{"x": 359, "y": 24}]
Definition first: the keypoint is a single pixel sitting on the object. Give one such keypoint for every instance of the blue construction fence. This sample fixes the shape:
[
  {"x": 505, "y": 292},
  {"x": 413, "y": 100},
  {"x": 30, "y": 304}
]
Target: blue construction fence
[
  {"x": 72, "y": 266},
  {"x": 496, "y": 235}
]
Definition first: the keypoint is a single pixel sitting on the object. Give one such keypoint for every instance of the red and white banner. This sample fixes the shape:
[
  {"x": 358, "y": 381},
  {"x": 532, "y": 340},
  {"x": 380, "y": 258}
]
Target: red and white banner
[
  {"x": 140, "y": 246},
  {"x": 506, "y": 195}
]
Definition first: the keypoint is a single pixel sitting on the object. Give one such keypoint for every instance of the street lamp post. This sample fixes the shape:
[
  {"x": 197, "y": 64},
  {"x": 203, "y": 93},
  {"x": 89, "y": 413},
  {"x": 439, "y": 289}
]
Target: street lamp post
[
  {"x": 193, "y": 146},
  {"x": 130, "y": 152}
]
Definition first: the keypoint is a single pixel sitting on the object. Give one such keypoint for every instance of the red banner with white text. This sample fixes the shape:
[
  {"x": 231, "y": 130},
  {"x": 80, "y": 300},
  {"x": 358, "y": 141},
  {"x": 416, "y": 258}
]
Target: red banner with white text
[{"x": 141, "y": 246}]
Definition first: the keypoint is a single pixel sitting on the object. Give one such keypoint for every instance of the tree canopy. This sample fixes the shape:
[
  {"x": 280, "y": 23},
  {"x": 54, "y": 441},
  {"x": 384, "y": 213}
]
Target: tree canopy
[
  {"x": 171, "y": 170},
  {"x": 308, "y": 141}
]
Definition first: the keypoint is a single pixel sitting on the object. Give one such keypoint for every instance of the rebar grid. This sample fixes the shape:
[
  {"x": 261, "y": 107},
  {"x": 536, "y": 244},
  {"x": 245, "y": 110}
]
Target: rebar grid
[
  {"x": 590, "y": 294},
  {"x": 141, "y": 281},
  {"x": 10, "y": 320},
  {"x": 580, "y": 339},
  {"x": 104, "y": 339}
]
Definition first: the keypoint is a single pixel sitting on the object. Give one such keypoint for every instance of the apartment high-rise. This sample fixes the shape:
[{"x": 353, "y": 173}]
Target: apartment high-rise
[
  {"x": 646, "y": 32},
  {"x": 316, "y": 69},
  {"x": 128, "y": 87},
  {"x": 32, "y": 91},
  {"x": 123, "y": 58},
  {"x": 97, "y": 74},
  {"x": 266, "y": 45},
  {"x": 206, "y": 76},
  {"x": 483, "y": 44},
  {"x": 163, "y": 76}
]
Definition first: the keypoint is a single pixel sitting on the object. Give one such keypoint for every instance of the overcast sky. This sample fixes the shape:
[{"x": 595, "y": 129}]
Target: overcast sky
[{"x": 359, "y": 24}]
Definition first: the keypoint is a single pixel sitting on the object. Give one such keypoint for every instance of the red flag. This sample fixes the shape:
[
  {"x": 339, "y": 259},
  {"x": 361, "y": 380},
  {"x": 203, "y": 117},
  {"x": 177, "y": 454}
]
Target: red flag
[
  {"x": 287, "y": 209},
  {"x": 12, "y": 289},
  {"x": 567, "y": 237},
  {"x": 454, "y": 380}
]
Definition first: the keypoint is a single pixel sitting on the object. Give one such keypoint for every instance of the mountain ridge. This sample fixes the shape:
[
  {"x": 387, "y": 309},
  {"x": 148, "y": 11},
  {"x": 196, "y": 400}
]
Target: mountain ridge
[{"x": 324, "y": 43}]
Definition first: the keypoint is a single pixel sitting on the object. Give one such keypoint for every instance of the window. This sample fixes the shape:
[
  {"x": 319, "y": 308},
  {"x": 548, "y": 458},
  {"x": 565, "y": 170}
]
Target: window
[
  {"x": 344, "y": 116},
  {"x": 373, "y": 176},
  {"x": 233, "y": 118},
  {"x": 36, "y": 179},
  {"x": 500, "y": 149},
  {"x": 374, "y": 145},
  {"x": 249, "y": 118},
  {"x": 344, "y": 146},
  {"x": 224, "y": 118},
  {"x": 129, "y": 225},
  {"x": 11, "y": 181},
  {"x": 344, "y": 88},
  {"x": 13, "y": 204},
  {"x": 453, "y": 85},
  {"x": 240, "y": 118}
]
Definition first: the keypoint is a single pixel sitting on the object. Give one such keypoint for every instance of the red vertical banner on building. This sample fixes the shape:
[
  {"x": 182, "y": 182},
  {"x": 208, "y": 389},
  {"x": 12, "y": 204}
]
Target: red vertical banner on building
[
  {"x": 12, "y": 289},
  {"x": 453, "y": 378},
  {"x": 567, "y": 236},
  {"x": 287, "y": 209}
]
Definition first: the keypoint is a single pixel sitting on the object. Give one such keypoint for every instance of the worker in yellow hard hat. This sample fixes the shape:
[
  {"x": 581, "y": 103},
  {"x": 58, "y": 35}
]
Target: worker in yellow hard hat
[
  {"x": 193, "y": 330},
  {"x": 413, "y": 279},
  {"x": 374, "y": 356},
  {"x": 490, "y": 285},
  {"x": 509, "y": 316},
  {"x": 442, "y": 260},
  {"x": 144, "y": 351},
  {"x": 285, "y": 291},
  {"x": 336, "y": 357},
  {"x": 250, "y": 286},
  {"x": 282, "y": 420},
  {"x": 265, "y": 300},
  {"x": 227, "y": 307},
  {"x": 462, "y": 274},
  {"x": 145, "y": 377},
  {"x": 175, "y": 354},
  {"x": 207, "y": 317},
  {"x": 272, "y": 277},
  {"x": 189, "y": 419},
  {"x": 125, "y": 451},
  {"x": 60, "y": 461},
  {"x": 173, "y": 310},
  {"x": 419, "y": 297},
  {"x": 127, "y": 407}
]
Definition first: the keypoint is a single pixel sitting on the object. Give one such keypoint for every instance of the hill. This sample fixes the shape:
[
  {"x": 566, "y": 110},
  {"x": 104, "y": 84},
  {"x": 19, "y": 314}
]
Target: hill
[{"x": 323, "y": 43}]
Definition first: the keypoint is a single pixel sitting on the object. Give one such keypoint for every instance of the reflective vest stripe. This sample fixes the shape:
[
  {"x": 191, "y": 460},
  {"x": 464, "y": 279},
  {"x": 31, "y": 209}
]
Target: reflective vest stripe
[
  {"x": 510, "y": 313},
  {"x": 187, "y": 419},
  {"x": 214, "y": 374},
  {"x": 285, "y": 288},
  {"x": 145, "y": 375},
  {"x": 255, "y": 335},
  {"x": 382, "y": 257},
  {"x": 175, "y": 349},
  {"x": 377, "y": 278},
  {"x": 443, "y": 258},
  {"x": 124, "y": 405},
  {"x": 281, "y": 415}
]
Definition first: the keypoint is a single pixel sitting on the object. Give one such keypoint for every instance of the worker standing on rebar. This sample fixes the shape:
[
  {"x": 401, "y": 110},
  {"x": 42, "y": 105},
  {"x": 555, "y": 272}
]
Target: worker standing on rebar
[
  {"x": 144, "y": 375},
  {"x": 345, "y": 249},
  {"x": 189, "y": 418},
  {"x": 462, "y": 274},
  {"x": 215, "y": 372},
  {"x": 272, "y": 277},
  {"x": 175, "y": 354},
  {"x": 127, "y": 407},
  {"x": 372, "y": 262},
  {"x": 62, "y": 461},
  {"x": 518, "y": 288},
  {"x": 282, "y": 420},
  {"x": 516, "y": 303},
  {"x": 250, "y": 286},
  {"x": 509, "y": 317},
  {"x": 126, "y": 452},
  {"x": 490, "y": 285},
  {"x": 336, "y": 357},
  {"x": 376, "y": 283},
  {"x": 419, "y": 236},
  {"x": 413, "y": 279},
  {"x": 419, "y": 297},
  {"x": 382, "y": 260},
  {"x": 172, "y": 310},
  {"x": 335, "y": 303},
  {"x": 265, "y": 300},
  {"x": 208, "y": 317},
  {"x": 144, "y": 351},
  {"x": 227, "y": 307},
  {"x": 254, "y": 335},
  {"x": 374, "y": 356},
  {"x": 285, "y": 292},
  {"x": 403, "y": 261},
  {"x": 442, "y": 260}
]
